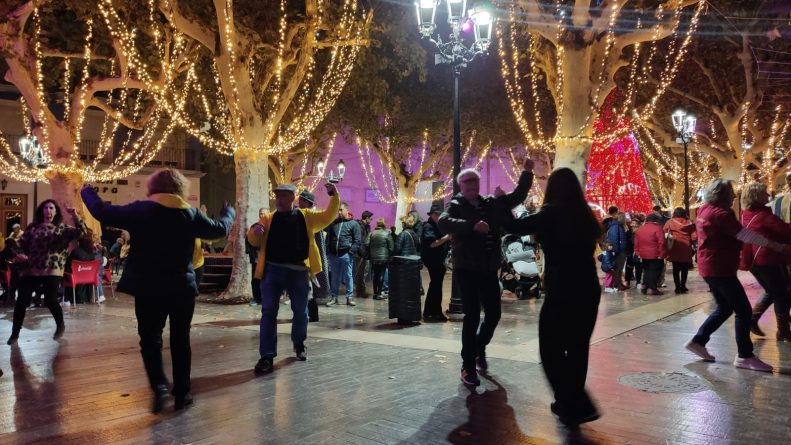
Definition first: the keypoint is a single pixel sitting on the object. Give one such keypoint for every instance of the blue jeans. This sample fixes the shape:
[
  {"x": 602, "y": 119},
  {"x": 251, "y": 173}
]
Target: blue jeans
[
  {"x": 386, "y": 281},
  {"x": 276, "y": 280},
  {"x": 730, "y": 297},
  {"x": 342, "y": 272}
]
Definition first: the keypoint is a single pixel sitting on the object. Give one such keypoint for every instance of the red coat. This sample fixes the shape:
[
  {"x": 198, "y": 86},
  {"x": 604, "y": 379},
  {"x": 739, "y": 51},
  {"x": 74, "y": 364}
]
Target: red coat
[
  {"x": 763, "y": 222},
  {"x": 649, "y": 242},
  {"x": 683, "y": 232},
  {"x": 718, "y": 248}
]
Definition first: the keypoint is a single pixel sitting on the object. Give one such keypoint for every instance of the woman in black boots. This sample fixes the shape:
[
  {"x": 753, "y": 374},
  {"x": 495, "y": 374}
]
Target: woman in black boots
[
  {"x": 568, "y": 232},
  {"x": 45, "y": 244}
]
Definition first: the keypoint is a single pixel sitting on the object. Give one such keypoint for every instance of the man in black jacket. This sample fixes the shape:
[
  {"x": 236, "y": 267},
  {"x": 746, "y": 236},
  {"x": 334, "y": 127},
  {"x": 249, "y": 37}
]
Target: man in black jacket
[
  {"x": 433, "y": 250},
  {"x": 474, "y": 223},
  {"x": 344, "y": 239},
  {"x": 361, "y": 258}
]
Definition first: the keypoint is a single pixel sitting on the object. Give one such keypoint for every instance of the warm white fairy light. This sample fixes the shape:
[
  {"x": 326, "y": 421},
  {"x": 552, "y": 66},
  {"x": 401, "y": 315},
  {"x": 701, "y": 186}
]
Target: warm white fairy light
[{"x": 130, "y": 156}]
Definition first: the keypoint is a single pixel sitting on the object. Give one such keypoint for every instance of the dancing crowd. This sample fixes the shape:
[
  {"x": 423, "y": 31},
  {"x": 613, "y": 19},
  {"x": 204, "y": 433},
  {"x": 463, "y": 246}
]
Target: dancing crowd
[{"x": 307, "y": 253}]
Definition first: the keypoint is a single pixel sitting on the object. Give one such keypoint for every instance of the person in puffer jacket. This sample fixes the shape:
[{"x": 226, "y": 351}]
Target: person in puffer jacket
[
  {"x": 767, "y": 266},
  {"x": 344, "y": 240},
  {"x": 651, "y": 247},
  {"x": 381, "y": 249},
  {"x": 616, "y": 236}
]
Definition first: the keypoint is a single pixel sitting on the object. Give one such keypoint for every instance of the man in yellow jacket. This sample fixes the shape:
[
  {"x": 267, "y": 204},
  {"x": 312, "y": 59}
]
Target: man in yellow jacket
[{"x": 288, "y": 258}]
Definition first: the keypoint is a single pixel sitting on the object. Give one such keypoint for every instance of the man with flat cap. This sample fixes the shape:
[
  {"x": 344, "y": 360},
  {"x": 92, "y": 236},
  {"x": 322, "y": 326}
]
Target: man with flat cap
[
  {"x": 434, "y": 249},
  {"x": 288, "y": 258}
]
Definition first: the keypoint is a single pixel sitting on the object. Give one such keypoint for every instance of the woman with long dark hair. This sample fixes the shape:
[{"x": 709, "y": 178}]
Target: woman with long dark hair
[
  {"x": 568, "y": 232},
  {"x": 45, "y": 244}
]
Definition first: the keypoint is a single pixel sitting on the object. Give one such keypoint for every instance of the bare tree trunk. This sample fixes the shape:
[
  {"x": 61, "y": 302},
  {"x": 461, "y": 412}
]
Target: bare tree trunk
[
  {"x": 573, "y": 154},
  {"x": 573, "y": 146},
  {"x": 731, "y": 169},
  {"x": 406, "y": 194},
  {"x": 252, "y": 193},
  {"x": 66, "y": 191}
]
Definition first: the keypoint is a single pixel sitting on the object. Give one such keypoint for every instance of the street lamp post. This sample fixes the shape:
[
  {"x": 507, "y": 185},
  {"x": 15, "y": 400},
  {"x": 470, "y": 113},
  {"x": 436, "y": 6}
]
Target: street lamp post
[
  {"x": 458, "y": 51},
  {"x": 331, "y": 176},
  {"x": 685, "y": 126}
]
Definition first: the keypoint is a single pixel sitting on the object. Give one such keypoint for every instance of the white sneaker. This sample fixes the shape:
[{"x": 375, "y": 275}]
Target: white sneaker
[
  {"x": 699, "y": 350},
  {"x": 102, "y": 299},
  {"x": 67, "y": 303},
  {"x": 610, "y": 290},
  {"x": 752, "y": 363}
]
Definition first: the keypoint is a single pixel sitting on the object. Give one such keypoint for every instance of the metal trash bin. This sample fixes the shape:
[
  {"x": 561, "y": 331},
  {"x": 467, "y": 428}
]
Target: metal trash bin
[{"x": 404, "y": 296}]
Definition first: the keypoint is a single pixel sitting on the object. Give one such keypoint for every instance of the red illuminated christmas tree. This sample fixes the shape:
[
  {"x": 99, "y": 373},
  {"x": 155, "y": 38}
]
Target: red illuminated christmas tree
[{"x": 615, "y": 170}]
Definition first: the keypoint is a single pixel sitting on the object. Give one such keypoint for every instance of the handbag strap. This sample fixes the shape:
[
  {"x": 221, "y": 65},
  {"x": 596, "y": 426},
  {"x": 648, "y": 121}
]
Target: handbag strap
[{"x": 747, "y": 227}]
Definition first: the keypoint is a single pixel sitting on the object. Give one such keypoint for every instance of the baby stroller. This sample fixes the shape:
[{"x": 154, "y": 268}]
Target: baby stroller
[{"x": 519, "y": 273}]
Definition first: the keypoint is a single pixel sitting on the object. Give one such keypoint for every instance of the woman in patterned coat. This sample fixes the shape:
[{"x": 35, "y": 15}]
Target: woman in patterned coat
[{"x": 45, "y": 244}]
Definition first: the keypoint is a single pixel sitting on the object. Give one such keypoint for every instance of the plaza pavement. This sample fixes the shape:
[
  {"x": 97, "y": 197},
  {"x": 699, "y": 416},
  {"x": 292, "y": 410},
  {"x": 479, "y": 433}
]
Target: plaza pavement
[{"x": 370, "y": 381}]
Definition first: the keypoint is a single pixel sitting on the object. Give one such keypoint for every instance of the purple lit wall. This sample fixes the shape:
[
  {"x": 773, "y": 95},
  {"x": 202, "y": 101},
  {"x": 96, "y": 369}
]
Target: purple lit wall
[{"x": 355, "y": 188}]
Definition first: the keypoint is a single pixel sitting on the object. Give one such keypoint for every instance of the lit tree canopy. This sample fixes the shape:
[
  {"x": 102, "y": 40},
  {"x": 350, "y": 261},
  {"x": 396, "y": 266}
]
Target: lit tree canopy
[
  {"x": 266, "y": 77},
  {"x": 568, "y": 53},
  {"x": 399, "y": 106},
  {"x": 725, "y": 85},
  {"x": 65, "y": 57}
]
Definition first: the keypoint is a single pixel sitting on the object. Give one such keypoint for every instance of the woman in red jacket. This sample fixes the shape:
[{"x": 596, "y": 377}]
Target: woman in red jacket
[
  {"x": 720, "y": 238},
  {"x": 683, "y": 232},
  {"x": 768, "y": 266},
  {"x": 649, "y": 245}
]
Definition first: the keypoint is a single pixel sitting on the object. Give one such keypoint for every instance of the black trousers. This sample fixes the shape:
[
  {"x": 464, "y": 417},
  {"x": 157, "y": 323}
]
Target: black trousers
[
  {"x": 774, "y": 280},
  {"x": 378, "y": 270},
  {"x": 479, "y": 289},
  {"x": 256, "y": 284},
  {"x": 151, "y": 313},
  {"x": 436, "y": 273},
  {"x": 198, "y": 276},
  {"x": 680, "y": 272},
  {"x": 653, "y": 269},
  {"x": 564, "y": 333},
  {"x": 360, "y": 271},
  {"x": 629, "y": 271},
  {"x": 42, "y": 285},
  {"x": 639, "y": 268}
]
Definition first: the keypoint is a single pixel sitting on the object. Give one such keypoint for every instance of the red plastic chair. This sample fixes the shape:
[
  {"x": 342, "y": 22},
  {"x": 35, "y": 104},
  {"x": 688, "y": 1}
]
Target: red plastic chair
[
  {"x": 82, "y": 272},
  {"x": 107, "y": 278}
]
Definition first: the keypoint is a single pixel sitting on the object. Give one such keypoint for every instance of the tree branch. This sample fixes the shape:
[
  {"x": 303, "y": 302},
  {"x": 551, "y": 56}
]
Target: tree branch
[
  {"x": 138, "y": 124},
  {"x": 712, "y": 79},
  {"x": 54, "y": 53},
  {"x": 540, "y": 21},
  {"x": 207, "y": 38},
  {"x": 303, "y": 62}
]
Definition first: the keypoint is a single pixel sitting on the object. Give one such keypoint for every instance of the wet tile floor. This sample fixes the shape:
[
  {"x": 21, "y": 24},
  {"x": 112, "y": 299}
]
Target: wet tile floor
[{"x": 370, "y": 381}]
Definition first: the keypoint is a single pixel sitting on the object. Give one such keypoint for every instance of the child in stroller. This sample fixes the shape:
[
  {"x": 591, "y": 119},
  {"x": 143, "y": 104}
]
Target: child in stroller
[{"x": 519, "y": 273}]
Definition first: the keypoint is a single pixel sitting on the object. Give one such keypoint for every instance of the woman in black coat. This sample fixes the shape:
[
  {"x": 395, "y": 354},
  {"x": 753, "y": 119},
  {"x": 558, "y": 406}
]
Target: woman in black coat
[
  {"x": 159, "y": 272},
  {"x": 568, "y": 232}
]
